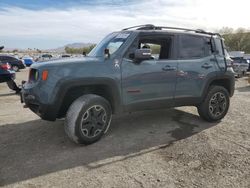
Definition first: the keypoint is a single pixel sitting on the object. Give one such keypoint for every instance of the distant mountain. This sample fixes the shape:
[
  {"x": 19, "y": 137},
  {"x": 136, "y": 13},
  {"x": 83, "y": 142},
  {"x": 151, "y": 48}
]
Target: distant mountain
[
  {"x": 56, "y": 50},
  {"x": 73, "y": 45}
]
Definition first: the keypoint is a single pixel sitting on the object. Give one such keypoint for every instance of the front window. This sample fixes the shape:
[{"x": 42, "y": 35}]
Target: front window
[
  {"x": 112, "y": 42},
  {"x": 160, "y": 46}
]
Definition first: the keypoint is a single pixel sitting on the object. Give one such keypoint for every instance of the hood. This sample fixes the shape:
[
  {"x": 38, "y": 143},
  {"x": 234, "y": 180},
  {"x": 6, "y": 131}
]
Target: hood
[{"x": 65, "y": 61}]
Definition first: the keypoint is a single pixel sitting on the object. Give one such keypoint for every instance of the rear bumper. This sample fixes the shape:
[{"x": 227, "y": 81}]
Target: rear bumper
[{"x": 7, "y": 77}]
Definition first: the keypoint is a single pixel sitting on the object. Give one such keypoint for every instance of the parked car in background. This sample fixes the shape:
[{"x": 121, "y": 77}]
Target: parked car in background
[
  {"x": 247, "y": 57},
  {"x": 28, "y": 61},
  {"x": 248, "y": 60},
  {"x": 6, "y": 74},
  {"x": 65, "y": 56},
  {"x": 45, "y": 57},
  {"x": 240, "y": 66},
  {"x": 236, "y": 53},
  {"x": 15, "y": 63}
]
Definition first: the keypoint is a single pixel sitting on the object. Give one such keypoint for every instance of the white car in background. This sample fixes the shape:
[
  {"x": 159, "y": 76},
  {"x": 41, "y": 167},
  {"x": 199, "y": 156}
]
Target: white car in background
[
  {"x": 240, "y": 64},
  {"x": 45, "y": 57}
]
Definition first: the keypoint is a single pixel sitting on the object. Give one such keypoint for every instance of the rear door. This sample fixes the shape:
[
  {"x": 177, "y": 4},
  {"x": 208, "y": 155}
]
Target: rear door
[
  {"x": 196, "y": 65},
  {"x": 3, "y": 59}
]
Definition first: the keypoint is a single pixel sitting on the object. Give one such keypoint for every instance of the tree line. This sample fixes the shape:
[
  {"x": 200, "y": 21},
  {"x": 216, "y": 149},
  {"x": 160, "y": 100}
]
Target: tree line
[
  {"x": 87, "y": 49},
  {"x": 236, "y": 39}
]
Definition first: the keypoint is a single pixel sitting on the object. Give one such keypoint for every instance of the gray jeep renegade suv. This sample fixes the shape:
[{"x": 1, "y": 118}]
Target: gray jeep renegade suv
[{"x": 139, "y": 68}]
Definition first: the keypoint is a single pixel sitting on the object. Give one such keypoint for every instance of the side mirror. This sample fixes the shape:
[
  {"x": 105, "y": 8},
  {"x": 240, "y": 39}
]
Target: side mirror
[
  {"x": 142, "y": 54},
  {"x": 106, "y": 53}
]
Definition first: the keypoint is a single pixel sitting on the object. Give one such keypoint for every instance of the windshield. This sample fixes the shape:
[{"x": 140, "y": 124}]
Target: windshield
[{"x": 112, "y": 42}]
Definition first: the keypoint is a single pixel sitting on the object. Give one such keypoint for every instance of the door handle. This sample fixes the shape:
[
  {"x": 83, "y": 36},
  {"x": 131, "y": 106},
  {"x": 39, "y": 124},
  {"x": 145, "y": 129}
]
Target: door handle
[
  {"x": 168, "y": 68},
  {"x": 213, "y": 59},
  {"x": 206, "y": 66}
]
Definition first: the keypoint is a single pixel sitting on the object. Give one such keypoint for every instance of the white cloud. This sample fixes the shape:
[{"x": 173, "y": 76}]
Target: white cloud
[{"x": 92, "y": 23}]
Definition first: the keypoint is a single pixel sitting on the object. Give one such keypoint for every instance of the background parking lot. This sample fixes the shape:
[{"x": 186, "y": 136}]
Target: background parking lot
[{"x": 164, "y": 148}]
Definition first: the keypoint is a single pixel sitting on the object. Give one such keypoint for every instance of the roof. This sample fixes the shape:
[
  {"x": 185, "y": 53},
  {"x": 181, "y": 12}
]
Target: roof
[
  {"x": 6, "y": 55},
  {"x": 150, "y": 27}
]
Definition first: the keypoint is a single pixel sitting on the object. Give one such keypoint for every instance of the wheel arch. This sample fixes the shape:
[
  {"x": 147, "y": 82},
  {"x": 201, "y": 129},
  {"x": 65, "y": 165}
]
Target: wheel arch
[
  {"x": 71, "y": 90},
  {"x": 225, "y": 81}
]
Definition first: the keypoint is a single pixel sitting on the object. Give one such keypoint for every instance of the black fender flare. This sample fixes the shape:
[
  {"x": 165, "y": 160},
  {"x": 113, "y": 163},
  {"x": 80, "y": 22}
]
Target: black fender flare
[
  {"x": 224, "y": 76},
  {"x": 64, "y": 85}
]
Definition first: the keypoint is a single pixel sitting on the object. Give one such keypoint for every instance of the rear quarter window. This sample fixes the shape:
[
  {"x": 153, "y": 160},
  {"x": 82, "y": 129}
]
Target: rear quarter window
[
  {"x": 218, "y": 46},
  {"x": 2, "y": 58},
  {"x": 10, "y": 59}
]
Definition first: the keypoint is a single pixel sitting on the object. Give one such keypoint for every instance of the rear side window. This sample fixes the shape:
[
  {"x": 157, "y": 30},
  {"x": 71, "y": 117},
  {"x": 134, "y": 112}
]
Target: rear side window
[
  {"x": 9, "y": 59},
  {"x": 191, "y": 47},
  {"x": 12, "y": 59},
  {"x": 236, "y": 60}
]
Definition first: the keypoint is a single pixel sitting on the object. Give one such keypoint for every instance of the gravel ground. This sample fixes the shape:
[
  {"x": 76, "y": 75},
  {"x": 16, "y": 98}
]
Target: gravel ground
[{"x": 163, "y": 148}]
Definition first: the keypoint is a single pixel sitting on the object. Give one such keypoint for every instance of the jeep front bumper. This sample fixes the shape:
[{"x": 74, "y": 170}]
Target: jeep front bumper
[{"x": 31, "y": 101}]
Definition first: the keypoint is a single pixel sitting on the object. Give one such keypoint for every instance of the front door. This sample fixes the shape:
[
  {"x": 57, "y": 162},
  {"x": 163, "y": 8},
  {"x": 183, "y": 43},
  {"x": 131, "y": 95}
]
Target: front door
[{"x": 150, "y": 83}]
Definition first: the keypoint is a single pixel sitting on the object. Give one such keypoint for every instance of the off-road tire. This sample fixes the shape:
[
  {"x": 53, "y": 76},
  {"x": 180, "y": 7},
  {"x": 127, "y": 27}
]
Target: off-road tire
[
  {"x": 84, "y": 106},
  {"x": 205, "y": 108}
]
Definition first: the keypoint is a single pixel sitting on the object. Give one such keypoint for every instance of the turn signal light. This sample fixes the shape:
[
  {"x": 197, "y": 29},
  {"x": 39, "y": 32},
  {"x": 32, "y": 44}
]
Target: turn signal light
[{"x": 45, "y": 74}]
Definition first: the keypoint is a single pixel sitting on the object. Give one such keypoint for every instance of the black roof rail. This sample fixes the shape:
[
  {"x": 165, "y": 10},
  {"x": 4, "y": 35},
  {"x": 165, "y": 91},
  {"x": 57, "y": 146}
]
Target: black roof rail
[
  {"x": 140, "y": 27},
  {"x": 153, "y": 27}
]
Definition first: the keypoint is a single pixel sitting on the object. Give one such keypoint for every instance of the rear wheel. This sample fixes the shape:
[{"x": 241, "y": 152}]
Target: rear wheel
[
  {"x": 87, "y": 119},
  {"x": 215, "y": 105}
]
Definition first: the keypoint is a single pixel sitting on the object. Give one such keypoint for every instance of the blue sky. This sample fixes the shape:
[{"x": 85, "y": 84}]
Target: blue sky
[
  {"x": 47, "y": 24},
  {"x": 61, "y": 4}
]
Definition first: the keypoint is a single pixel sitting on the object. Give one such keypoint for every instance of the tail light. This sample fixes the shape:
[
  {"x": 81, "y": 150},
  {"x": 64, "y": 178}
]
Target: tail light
[
  {"x": 5, "y": 66},
  {"x": 45, "y": 75},
  {"x": 230, "y": 64}
]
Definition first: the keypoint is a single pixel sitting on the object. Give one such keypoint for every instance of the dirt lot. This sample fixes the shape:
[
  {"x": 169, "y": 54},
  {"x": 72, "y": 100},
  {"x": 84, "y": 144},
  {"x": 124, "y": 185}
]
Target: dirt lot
[{"x": 165, "y": 148}]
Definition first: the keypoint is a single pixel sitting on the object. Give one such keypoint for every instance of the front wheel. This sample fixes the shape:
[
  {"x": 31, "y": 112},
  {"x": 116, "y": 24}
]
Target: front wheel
[
  {"x": 87, "y": 119},
  {"x": 215, "y": 105}
]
